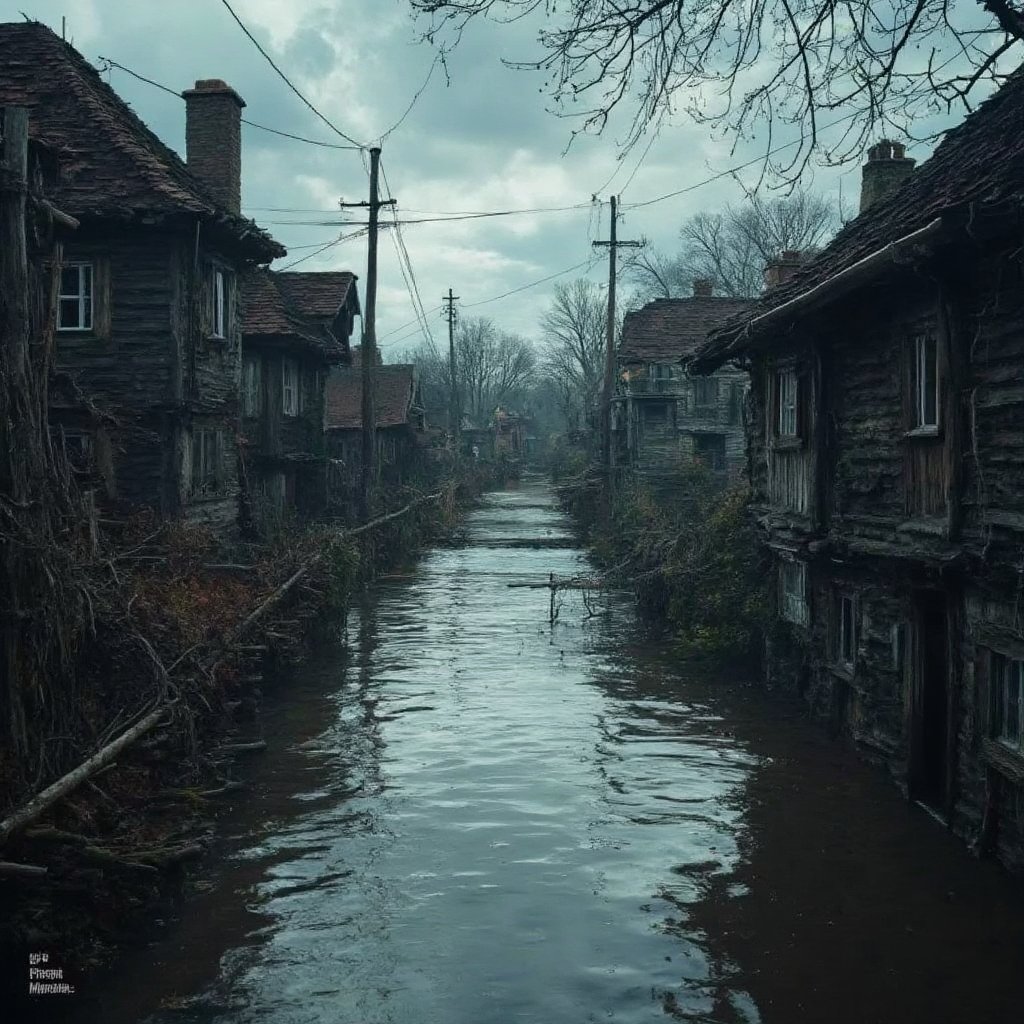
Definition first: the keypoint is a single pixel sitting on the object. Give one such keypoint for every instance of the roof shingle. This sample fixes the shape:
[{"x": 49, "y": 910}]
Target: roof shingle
[
  {"x": 394, "y": 391},
  {"x": 111, "y": 164},
  {"x": 980, "y": 161},
  {"x": 667, "y": 330}
]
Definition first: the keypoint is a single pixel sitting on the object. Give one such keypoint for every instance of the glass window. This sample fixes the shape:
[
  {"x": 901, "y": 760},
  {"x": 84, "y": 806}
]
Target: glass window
[
  {"x": 846, "y": 631},
  {"x": 1008, "y": 700},
  {"x": 75, "y": 305},
  {"x": 219, "y": 304},
  {"x": 793, "y": 582},
  {"x": 787, "y": 390},
  {"x": 252, "y": 386},
  {"x": 926, "y": 382},
  {"x": 705, "y": 391},
  {"x": 290, "y": 398}
]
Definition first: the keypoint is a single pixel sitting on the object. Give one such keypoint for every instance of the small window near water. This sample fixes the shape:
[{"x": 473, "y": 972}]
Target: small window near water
[
  {"x": 1008, "y": 701},
  {"x": 76, "y": 291},
  {"x": 793, "y": 592}
]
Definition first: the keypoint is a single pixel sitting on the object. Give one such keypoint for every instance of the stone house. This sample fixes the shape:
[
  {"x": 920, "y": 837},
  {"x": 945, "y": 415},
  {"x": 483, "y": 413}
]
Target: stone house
[
  {"x": 296, "y": 326},
  {"x": 149, "y": 323},
  {"x": 887, "y": 452},
  {"x": 665, "y": 415},
  {"x": 400, "y": 429}
]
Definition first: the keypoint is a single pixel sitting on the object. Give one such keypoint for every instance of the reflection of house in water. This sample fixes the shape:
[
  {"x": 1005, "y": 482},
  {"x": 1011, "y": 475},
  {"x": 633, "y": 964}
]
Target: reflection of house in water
[
  {"x": 664, "y": 415},
  {"x": 400, "y": 428},
  {"x": 295, "y": 327},
  {"x": 887, "y": 455}
]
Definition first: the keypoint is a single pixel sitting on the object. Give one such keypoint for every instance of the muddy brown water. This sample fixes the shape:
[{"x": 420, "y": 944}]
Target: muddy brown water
[{"x": 467, "y": 816}]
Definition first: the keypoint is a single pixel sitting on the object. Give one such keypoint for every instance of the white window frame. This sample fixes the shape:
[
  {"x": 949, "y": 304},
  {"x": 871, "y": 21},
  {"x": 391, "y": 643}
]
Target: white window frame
[
  {"x": 787, "y": 423},
  {"x": 291, "y": 391},
  {"x": 793, "y": 591},
  {"x": 1008, "y": 701},
  {"x": 85, "y": 297},
  {"x": 252, "y": 385},
  {"x": 925, "y": 344},
  {"x": 220, "y": 306}
]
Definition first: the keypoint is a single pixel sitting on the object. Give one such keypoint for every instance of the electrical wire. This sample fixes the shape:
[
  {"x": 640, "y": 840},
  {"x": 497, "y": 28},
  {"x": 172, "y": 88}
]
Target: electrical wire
[
  {"x": 284, "y": 78},
  {"x": 323, "y": 248},
  {"x": 252, "y": 124}
]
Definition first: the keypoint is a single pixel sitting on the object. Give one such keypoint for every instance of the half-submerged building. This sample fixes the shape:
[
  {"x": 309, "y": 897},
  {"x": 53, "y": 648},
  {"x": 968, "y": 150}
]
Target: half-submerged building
[{"x": 887, "y": 452}]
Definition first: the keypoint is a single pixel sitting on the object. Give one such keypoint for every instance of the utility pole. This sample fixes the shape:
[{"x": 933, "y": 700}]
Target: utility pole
[
  {"x": 369, "y": 346},
  {"x": 608, "y": 389},
  {"x": 454, "y": 414}
]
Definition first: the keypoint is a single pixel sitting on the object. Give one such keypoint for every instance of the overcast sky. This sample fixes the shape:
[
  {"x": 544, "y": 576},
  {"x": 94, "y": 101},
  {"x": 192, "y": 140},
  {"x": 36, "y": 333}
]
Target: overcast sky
[{"x": 486, "y": 141}]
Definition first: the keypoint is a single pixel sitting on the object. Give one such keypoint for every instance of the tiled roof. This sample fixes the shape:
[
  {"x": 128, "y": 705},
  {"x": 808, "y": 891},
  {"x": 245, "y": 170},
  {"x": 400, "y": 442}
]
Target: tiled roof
[
  {"x": 667, "y": 330},
  {"x": 394, "y": 390},
  {"x": 111, "y": 164},
  {"x": 270, "y": 310},
  {"x": 318, "y": 293},
  {"x": 980, "y": 161}
]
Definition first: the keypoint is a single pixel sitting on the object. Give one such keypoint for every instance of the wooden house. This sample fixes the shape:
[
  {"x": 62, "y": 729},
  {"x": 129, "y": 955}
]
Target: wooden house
[
  {"x": 666, "y": 416},
  {"x": 887, "y": 451},
  {"x": 400, "y": 426},
  {"x": 296, "y": 326},
  {"x": 149, "y": 326},
  {"x": 509, "y": 433}
]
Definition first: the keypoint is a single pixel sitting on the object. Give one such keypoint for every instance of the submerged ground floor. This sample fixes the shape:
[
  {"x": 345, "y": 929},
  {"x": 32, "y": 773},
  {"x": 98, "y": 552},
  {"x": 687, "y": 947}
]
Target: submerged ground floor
[{"x": 467, "y": 814}]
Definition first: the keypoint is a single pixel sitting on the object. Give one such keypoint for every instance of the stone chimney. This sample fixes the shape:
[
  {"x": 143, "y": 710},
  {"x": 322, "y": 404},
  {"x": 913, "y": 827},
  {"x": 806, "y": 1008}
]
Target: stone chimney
[
  {"x": 213, "y": 139},
  {"x": 782, "y": 268},
  {"x": 887, "y": 168},
  {"x": 703, "y": 288}
]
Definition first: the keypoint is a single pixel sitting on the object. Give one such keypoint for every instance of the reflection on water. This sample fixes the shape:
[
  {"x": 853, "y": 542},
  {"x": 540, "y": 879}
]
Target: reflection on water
[{"x": 472, "y": 817}]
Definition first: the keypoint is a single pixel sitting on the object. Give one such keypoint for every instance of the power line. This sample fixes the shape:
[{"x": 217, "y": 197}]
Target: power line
[
  {"x": 252, "y": 124},
  {"x": 287, "y": 81},
  {"x": 438, "y": 59},
  {"x": 324, "y": 248}
]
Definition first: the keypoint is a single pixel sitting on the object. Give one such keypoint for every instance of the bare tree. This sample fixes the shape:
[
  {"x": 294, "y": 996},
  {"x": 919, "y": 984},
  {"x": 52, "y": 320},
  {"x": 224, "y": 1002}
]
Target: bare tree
[
  {"x": 807, "y": 64},
  {"x": 574, "y": 330},
  {"x": 732, "y": 247},
  {"x": 492, "y": 367}
]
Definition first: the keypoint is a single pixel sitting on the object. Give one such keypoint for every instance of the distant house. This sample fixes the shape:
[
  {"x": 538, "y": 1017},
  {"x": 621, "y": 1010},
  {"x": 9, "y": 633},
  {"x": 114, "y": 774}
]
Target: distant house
[
  {"x": 400, "y": 426},
  {"x": 509, "y": 433},
  {"x": 149, "y": 325},
  {"x": 887, "y": 451},
  {"x": 295, "y": 327},
  {"x": 665, "y": 415}
]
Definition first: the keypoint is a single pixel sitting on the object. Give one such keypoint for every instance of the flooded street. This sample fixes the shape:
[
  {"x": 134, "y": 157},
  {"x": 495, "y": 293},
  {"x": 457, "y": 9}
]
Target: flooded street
[{"x": 469, "y": 816}]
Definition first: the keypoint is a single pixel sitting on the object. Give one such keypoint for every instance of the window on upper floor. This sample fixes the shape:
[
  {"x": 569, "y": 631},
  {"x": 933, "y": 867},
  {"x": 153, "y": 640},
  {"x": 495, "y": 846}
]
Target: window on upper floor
[
  {"x": 1007, "y": 676},
  {"x": 793, "y": 592},
  {"x": 291, "y": 392},
  {"x": 75, "y": 309},
  {"x": 925, "y": 383},
  {"x": 252, "y": 386},
  {"x": 219, "y": 289},
  {"x": 705, "y": 392}
]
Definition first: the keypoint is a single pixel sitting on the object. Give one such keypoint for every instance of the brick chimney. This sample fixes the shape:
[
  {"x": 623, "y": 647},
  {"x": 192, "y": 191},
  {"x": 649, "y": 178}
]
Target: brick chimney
[
  {"x": 213, "y": 139},
  {"x": 782, "y": 268},
  {"x": 887, "y": 168},
  {"x": 703, "y": 288}
]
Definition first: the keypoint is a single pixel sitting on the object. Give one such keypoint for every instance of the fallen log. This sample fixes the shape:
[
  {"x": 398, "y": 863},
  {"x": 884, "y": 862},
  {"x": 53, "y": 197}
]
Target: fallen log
[
  {"x": 64, "y": 785},
  {"x": 231, "y": 786},
  {"x": 242, "y": 748},
  {"x": 10, "y": 869}
]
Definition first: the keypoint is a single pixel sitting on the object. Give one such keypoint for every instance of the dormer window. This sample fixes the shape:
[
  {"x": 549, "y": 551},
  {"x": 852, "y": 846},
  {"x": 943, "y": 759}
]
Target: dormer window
[
  {"x": 76, "y": 292},
  {"x": 219, "y": 304}
]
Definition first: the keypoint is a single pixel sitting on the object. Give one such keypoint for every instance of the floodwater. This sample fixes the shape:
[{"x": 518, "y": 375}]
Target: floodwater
[{"x": 471, "y": 816}]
